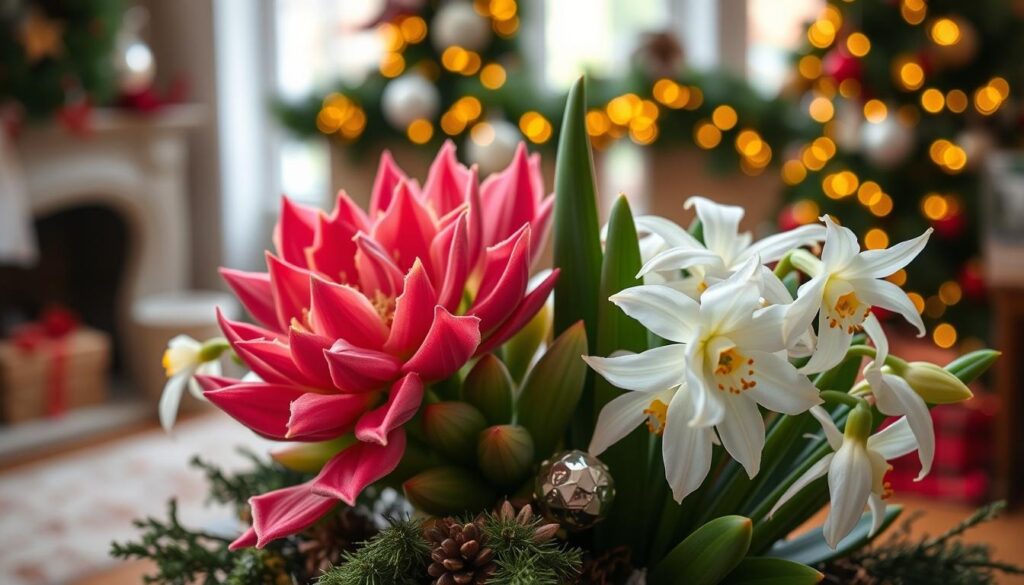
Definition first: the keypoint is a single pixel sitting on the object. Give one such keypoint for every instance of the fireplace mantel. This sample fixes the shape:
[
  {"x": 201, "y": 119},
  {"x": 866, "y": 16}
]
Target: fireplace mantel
[{"x": 135, "y": 164}]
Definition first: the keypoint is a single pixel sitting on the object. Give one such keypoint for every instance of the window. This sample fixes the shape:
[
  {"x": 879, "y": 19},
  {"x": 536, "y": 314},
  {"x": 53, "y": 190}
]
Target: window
[{"x": 775, "y": 29}]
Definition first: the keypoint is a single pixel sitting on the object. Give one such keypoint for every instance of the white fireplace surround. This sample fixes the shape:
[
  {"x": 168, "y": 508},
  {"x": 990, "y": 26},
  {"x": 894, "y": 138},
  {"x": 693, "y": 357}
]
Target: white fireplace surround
[{"x": 135, "y": 165}]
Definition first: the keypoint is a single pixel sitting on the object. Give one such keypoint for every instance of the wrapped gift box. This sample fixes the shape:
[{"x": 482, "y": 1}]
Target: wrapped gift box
[{"x": 52, "y": 375}]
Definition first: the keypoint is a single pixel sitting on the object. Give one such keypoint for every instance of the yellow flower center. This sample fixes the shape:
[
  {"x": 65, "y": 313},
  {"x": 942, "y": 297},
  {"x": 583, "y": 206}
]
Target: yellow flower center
[
  {"x": 385, "y": 306},
  {"x": 657, "y": 413},
  {"x": 887, "y": 490},
  {"x": 176, "y": 359},
  {"x": 848, "y": 312},
  {"x": 734, "y": 372}
]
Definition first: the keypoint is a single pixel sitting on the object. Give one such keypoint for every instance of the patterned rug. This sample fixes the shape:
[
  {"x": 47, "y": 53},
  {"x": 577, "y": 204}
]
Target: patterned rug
[{"x": 58, "y": 517}]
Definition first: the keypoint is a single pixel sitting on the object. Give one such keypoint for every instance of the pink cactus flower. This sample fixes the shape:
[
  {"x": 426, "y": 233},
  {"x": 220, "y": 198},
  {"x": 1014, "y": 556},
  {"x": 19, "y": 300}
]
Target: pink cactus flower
[{"x": 358, "y": 312}]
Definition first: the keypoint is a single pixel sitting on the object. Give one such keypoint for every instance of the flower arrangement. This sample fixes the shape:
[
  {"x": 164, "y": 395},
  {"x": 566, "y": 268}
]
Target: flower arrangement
[{"x": 736, "y": 392}]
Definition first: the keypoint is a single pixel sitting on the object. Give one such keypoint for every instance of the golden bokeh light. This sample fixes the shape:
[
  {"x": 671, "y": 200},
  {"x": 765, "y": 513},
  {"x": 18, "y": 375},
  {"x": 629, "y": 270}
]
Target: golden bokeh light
[
  {"x": 913, "y": 11},
  {"x": 956, "y": 101},
  {"x": 414, "y": 29},
  {"x": 875, "y": 111},
  {"x": 950, "y": 292},
  {"x": 858, "y": 44},
  {"x": 597, "y": 123},
  {"x": 821, "y": 109},
  {"x": 945, "y": 32},
  {"x": 910, "y": 74},
  {"x": 392, "y": 64},
  {"x": 492, "y": 76},
  {"x": 882, "y": 207},
  {"x": 809, "y": 67},
  {"x": 670, "y": 93},
  {"x": 482, "y": 134},
  {"x": 934, "y": 206},
  {"x": 869, "y": 193},
  {"x": 420, "y": 131},
  {"x": 806, "y": 211},
  {"x": 724, "y": 117},
  {"x": 876, "y": 239},
  {"x": 918, "y": 301},
  {"x": 822, "y": 33},
  {"x": 932, "y": 100},
  {"x": 899, "y": 278},
  {"x": 535, "y": 127},
  {"x": 793, "y": 172},
  {"x": 944, "y": 335},
  {"x": 707, "y": 136},
  {"x": 987, "y": 100}
]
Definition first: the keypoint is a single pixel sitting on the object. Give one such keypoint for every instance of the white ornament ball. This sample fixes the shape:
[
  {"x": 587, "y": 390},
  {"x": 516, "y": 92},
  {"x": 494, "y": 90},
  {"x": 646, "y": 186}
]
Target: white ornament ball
[
  {"x": 847, "y": 126},
  {"x": 409, "y": 98},
  {"x": 977, "y": 143},
  {"x": 457, "y": 23},
  {"x": 492, "y": 144},
  {"x": 135, "y": 66},
  {"x": 886, "y": 144}
]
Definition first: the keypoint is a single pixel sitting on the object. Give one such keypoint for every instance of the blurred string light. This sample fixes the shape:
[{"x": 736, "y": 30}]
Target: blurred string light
[
  {"x": 913, "y": 11},
  {"x": 462, "y": 113},
  {"x": 821, "y": 109},
  {"x": 535, "y": 127},
  {"x": 338, "y": 114},
  {"x": 945, "y": 32},
  {"x": 988, "y": 98},
  {"x": 459, "y": 60},
  {"x": 932, "y": 100},
  {"x": 875, "y": 111},
  {"x": 876, "y": 239},
  {"x": 493, "y": 76},
  {"x": 806, "y": 211},
  {"x": 858, "y": 44},
  {"x": 944, "y": 335},
  {"x": 420, "y": 131},
  {"x": 908, "y": 73},
  {"x": 755, "y": 153},
  {"x": 956, "y": 101},
  {"x": 504, "y": 15},
  {"x": 899, "y": 278},
  {"x": 482, "y": 134},
  {"x": 949, "y": 157}
]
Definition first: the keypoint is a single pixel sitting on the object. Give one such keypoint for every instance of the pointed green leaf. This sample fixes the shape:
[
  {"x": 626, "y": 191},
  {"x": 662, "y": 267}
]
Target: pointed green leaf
[
  {"x": 811, "y": 548},
  {"x": 551, "y": 391},
  {"x": 971, "y": 366},
  {"x": 707, "y": 555},
  {"x": 488, "y": 387},
  {"x": 577, "y": 234},
  {"x": 505, "y": 454},
  {"x": 518, "y": 352},
  {"x": 628, "y": 458},
  {"x": 769, "y": 571}
]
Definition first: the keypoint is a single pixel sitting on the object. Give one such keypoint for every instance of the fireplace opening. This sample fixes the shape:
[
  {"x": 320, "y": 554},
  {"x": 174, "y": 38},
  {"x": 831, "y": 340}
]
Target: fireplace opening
[{"x": 83, "y": 254}]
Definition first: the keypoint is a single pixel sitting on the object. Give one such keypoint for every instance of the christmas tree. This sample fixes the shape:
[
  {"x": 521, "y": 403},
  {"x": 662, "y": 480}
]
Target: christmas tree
[{"x": 909, "y": 96}]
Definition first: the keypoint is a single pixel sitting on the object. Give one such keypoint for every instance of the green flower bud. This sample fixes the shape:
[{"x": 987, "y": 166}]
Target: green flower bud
[
  {"x": 504, "y": 454},
  {"x": 452, "y": 429},
  {"x": 212, "y": 349},
  {"x": 310, "y": 457},
  {"x": 448, "y": 490},
  {"x": 934, "y": 383},
  {"x": 859, "y": 424},
  {"x": 488, "y": 387}
]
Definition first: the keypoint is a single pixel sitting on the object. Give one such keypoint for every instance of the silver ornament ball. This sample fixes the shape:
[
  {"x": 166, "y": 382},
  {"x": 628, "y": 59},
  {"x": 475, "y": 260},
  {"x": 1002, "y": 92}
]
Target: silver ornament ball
[
  {"x": 408, "y": 98},
  {"x": 492, "y": 144},
  {"x": 457, "y": 24},
  {"x": 574, "y": 489},
  {"x": 886, "y": 143}
]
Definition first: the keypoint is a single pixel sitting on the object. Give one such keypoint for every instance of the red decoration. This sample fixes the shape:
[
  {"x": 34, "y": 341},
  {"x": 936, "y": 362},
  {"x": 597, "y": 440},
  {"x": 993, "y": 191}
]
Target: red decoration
[
  {"x": 50, "y": 331},
  {"x": 150, "y": 100},
  {"x": 951, "y": 226},
  {"x": 76, "y": 117},
  {"x": 840, "y": 65},
  {"x": 787, "y": 219},
  {"x": 972, "y": 280}
]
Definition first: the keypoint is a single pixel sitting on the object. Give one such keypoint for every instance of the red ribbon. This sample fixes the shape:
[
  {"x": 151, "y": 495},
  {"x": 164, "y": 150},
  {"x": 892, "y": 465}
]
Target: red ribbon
[{"x": 51, "y": 331}]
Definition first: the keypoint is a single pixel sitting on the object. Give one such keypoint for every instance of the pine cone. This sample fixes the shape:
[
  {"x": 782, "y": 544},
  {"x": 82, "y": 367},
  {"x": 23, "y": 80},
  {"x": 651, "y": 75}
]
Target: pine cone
[
  {"x": 526, "y": 517},
  {"x": 323, "y": 544},
  {"x": 459, "y": 555}
]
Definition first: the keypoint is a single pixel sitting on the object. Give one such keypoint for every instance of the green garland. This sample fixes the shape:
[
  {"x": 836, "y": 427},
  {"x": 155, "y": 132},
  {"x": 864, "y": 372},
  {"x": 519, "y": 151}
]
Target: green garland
[{"x": 56, "y": 52}]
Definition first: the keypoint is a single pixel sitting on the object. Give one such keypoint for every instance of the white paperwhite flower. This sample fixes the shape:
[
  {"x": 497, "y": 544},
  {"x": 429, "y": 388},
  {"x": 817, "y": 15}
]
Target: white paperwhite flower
[
  {"x": 182, "y": 360},
  {"x": 843, "y": 288},
  {"x": 856, "y": 470},
  {"x": 730, "y": 352},
  {"x": 724, "y": 250}
]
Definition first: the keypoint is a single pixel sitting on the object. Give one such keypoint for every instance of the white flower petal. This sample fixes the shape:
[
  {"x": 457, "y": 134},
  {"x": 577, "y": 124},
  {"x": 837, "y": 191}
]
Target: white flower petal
[
  {"x": 720, "y": 224},
  {"x": 801, "y": 312},
  {"x": 686, "y": 450},
  {"x": 674, "y": 235},
  {"x": 895, "y": 440},
  {"x": 813, "y": 473},
  {"x": 618, "y": 418},
  {"x": 832, "y": 433},
  {"x": 874, "y": 330},
  {"x": 882, "y": 263},
  {"x": 832, "y": 345},
  {"x": 840, "y": 248},
  {"x": 708, "y": 406},
  {"x": 849, "y": 485},
  {"x": 772, "y": 289},
  {"x": 680, "y": 258},
  {"x": 729, "y": 304},
  {"x": 212, "y": 368},
  {"x": 742, "y": 432},
  {"x": 882, "y": 293},
  {"x": 661, "y": 309},
  {"x": 655, "y": 369},
  {"x": 763, "y": 332},
  {"x": 171, "y": 398},
  {"x": 184, "y": 341},
  {"x": 780, "y": 388},
  {"x": 911, "y": 405},
  {"x": 877, "y": 506},
  {"x": 776, "y": 246}
]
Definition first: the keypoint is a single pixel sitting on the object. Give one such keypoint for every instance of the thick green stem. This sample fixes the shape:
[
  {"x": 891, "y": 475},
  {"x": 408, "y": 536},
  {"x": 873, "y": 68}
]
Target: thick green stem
[
  {"x": 785, "y": 266},
  {"x": 843, "y": 398}
]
